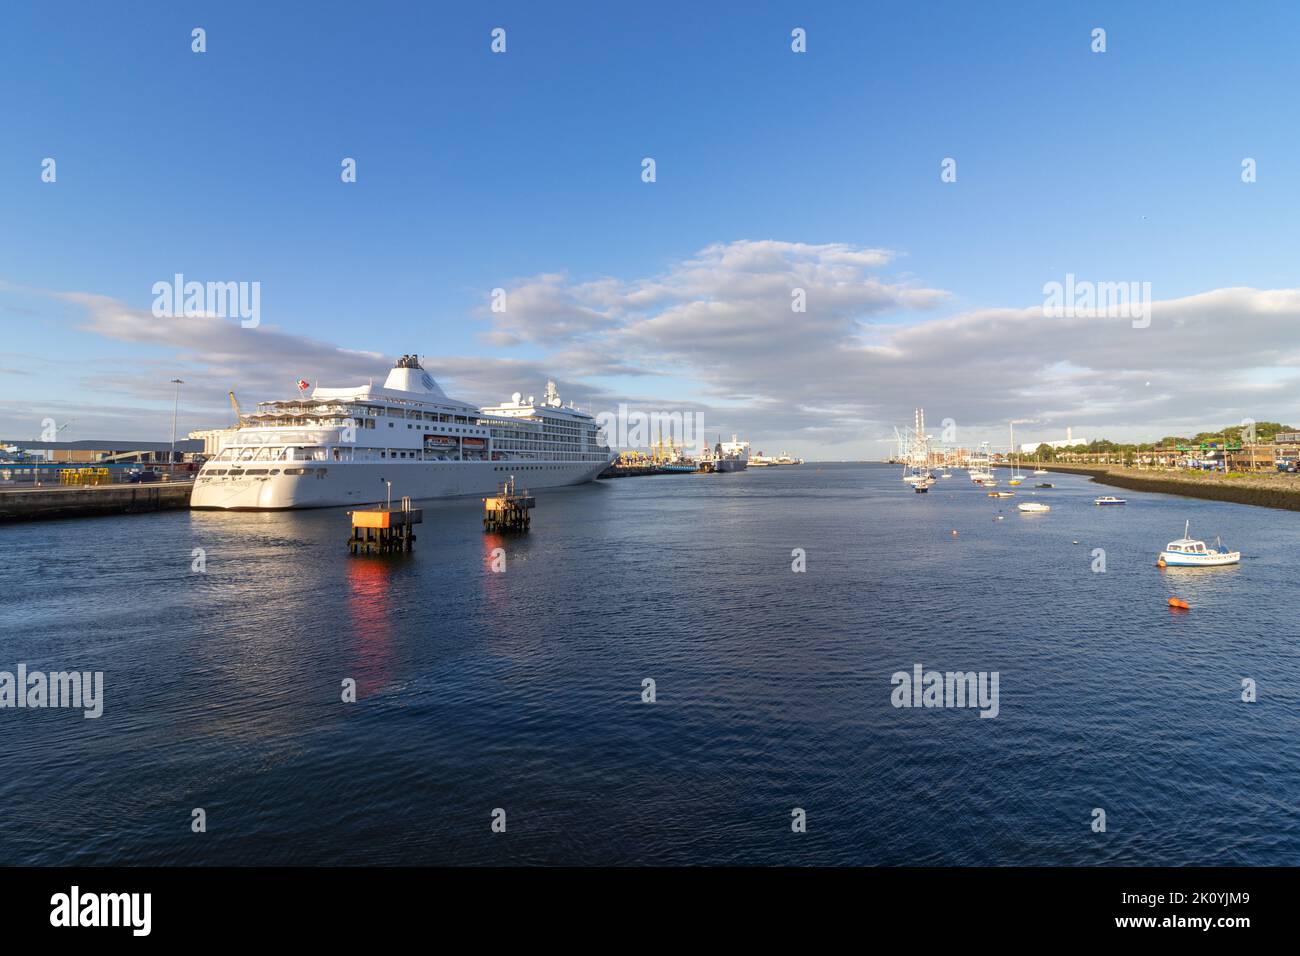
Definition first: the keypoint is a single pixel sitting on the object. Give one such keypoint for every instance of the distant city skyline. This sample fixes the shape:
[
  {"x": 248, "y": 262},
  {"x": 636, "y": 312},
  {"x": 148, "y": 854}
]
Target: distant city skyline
[{"x": 831, "y": 237}]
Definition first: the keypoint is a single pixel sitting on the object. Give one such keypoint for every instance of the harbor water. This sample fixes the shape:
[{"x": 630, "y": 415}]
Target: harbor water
[{"x": 226, "y": 640}]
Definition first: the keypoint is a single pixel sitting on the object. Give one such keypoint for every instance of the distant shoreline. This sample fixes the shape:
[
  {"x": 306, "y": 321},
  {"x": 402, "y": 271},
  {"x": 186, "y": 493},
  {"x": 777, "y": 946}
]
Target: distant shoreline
[{"x": 1262, "y": 489}]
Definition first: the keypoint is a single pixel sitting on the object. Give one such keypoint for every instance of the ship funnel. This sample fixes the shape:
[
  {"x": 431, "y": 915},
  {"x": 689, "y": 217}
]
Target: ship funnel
[{"x": 409, "y": 376}]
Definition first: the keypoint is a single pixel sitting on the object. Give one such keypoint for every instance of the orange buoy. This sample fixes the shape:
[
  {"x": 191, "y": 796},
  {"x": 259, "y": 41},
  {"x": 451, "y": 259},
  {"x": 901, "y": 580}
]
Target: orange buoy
[
  {"x": 1160, "y": 562},
  {"x": 1179, "y": 603}
]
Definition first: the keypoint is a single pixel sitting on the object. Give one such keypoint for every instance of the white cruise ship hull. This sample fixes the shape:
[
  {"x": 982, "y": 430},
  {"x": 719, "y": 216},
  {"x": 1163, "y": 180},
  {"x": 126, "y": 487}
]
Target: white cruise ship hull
[{"x": 326, "y": 484}]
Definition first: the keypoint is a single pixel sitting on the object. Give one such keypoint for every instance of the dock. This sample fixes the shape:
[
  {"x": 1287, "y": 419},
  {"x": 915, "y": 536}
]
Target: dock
[
  {"x": 41, "y": 502},
  {"x": 637, "y": 471},
  {"x": 384, "y": 530}
]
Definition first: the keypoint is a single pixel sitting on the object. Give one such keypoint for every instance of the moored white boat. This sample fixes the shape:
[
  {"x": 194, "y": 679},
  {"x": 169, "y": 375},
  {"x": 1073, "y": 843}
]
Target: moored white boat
[
  {"x": 1033, "y": 507},
  {"x": 1109, "y": 500},
  {"x": 1188, "y": 552},
  {"x": 980, "y": 466}
]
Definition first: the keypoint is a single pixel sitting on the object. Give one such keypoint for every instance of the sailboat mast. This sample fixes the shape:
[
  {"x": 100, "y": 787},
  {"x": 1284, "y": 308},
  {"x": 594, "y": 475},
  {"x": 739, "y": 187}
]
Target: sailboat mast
[{"x": 923, "y": 449}]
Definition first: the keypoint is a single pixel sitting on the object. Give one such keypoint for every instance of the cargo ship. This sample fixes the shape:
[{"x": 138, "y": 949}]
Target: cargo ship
[{"x": 726, "y": 456}]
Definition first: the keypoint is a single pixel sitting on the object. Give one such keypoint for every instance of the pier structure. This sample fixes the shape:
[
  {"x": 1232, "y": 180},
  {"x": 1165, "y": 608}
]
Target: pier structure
[
  {"x": 384, "y": 530},
  {"x": 508, "y": 511},
  {"x": 34, "y": 503}
]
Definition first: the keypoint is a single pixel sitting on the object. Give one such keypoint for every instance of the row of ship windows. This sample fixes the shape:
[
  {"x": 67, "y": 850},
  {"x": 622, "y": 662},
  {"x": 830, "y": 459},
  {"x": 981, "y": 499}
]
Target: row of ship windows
[
  {"x": 321, "y": 472},
  {"x": 368, "y": 415},
  {"x": 236, "y": 472},
  {"x": 467, "y": 431},
  {"x": 362, "y": 412},
  {"x": 515, "y": 468}
]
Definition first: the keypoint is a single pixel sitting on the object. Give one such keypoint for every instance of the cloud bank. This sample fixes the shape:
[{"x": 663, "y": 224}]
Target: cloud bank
[{"x": 816, "y": 348}]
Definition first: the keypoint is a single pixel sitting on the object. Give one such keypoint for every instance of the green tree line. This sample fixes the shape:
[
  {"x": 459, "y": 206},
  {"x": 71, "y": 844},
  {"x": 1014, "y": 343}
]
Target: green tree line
[{"x": 1264, "y": 432}]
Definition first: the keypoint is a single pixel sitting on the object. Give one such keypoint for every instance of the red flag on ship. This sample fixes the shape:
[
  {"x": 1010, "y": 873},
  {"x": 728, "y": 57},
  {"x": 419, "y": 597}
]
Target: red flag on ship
[{"x": 303, "y": 385}]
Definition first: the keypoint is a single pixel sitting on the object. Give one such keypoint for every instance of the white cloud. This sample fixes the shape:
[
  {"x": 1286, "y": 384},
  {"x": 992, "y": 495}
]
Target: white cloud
[
  {"x": 865, "y": 352},
  {"x": 715, "y": 332}
]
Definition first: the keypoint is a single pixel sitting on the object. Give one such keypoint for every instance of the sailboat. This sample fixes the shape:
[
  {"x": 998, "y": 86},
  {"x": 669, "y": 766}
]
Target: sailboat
[
  {"x": 917, "y": 469},
  {"x": 1016, "y": 477},
  {"x": 980, "y": 472}
]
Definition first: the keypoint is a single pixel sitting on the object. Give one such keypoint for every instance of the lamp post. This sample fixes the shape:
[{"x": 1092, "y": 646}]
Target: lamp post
[{"x": 175, "y": 408}]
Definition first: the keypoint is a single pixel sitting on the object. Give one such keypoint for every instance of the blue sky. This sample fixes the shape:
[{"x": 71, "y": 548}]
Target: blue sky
[{"x": 478, "y": 170}]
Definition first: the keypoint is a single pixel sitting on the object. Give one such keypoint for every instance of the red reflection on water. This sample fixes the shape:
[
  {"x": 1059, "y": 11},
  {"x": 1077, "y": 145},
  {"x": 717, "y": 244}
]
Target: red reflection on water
[
  {"x": 496, "y": 564},
  {"x": 370, "y": 600}
]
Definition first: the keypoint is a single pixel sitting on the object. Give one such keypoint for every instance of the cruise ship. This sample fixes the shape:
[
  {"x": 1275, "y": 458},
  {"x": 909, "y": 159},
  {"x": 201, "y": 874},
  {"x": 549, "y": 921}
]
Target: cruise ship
[{"x": 371, "y": 444}]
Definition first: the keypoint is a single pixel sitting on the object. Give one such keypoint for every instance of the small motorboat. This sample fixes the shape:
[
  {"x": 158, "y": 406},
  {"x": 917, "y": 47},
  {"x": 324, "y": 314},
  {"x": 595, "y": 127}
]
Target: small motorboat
[
  {"x": 1044, "y": 484},
  {"x": 1040, "y": 471},
  {"x": 1001, "y": 494},
  {"x": 1109, "y": 500},
  {"x": 1033, "y": 507},
  {"x": 1187, "y": 552}
]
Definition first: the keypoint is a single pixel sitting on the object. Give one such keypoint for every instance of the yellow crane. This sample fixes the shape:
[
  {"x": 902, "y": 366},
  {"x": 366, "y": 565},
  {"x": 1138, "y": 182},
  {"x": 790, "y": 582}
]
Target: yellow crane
[{"x": 234, "y": 403}]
